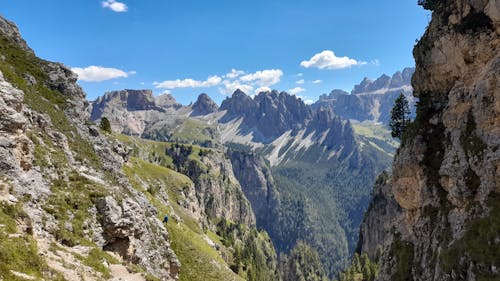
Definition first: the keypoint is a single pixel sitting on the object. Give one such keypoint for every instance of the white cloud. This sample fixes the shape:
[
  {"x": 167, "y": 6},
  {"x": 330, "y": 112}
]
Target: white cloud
[
  {"x": 296, "y": 90},
  {"x": 328, "y": 60},
  {"x": 375, "y": 62},
  {"x": 234, "y": 73},
  {"x": 115, "y": 6},
  {"x": 260, "y": 80},
  {"x": 231, "y": 86},
  {"x": 236, "y": 79},
  {"x": 189, "y": 83},
  {"x": 264, "y": 78},
  {"x": 98, "y": 73},
  {"x": 317, "y": 81},
  {"x": 262, "y": 89},
  {"x": 300, "y": 74},
  {"x": 300, "y": 82}
]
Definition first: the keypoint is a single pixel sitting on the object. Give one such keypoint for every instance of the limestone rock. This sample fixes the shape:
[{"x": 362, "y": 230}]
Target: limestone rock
[
  {"x": 446, "y": 173},
  {"x": 204, "y": 105}
]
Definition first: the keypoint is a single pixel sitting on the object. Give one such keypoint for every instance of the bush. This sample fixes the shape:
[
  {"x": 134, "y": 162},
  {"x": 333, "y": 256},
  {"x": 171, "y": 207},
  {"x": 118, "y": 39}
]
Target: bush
[{"x": 105, "y": 125}]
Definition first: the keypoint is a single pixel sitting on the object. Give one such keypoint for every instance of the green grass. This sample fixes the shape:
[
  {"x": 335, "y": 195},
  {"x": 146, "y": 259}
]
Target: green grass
[
  {"x": 155, "y": 176},
  {"x": 197, "y": 257},
  {"x": 96, "y": 258},
  {"x": 155, "y": 151},
  {"x": 377, "y": 136},
  {"x": 193, "y": 131}
]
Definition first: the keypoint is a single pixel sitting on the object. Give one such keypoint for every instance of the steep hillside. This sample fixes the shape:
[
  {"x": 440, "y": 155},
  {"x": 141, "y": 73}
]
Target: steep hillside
[
  {"x": 437, "y": 216},
  {"x": 307, "y": 168},
  {"x": 371, "y": 100},
  {"x": 77, "y": 203}
]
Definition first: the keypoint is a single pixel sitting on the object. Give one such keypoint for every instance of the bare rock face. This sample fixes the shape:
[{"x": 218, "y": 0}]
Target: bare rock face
[
  {"x": 126, "y": 233},
  {"x": 257, "y": 183},
  {"x": 204, "y": 105},
  {"x": 446, "y": 173},
  {"x": 129, "y": 111}
]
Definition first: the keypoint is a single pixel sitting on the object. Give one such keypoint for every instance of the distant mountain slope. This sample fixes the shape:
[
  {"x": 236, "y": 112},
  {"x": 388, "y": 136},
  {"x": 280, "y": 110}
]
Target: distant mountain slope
[
  {"x": 307, "y": 168},
  {"x": 371, "y": 100}
]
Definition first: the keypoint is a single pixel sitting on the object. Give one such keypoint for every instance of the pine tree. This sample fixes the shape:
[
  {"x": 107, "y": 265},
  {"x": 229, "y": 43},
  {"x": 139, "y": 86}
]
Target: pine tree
[
  {"x": 105, "y": 125},
  {"x": 400, "y": 117}
]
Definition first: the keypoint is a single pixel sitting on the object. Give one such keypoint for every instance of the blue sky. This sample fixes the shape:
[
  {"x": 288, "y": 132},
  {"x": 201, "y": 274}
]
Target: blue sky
[{"x": 186, "y": 47}]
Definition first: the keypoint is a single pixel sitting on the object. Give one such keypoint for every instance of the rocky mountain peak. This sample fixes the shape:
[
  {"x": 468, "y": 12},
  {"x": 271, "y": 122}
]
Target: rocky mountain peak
[
  {"x": 271, "y": 113},
  {"x": 334, "y": 94},
  {"x": 204, "y": 105},
  {"x": 398, "y": 79},
  {"x": 370, "y": 100},
  {"x": 167, "y": 100},
  {"x": 239, "y": 104},
  {"x": 130, "y": 100}
]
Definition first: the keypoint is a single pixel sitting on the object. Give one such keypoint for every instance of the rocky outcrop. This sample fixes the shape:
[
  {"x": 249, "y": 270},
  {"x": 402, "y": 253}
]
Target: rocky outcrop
[
  {"x": 445, "y": 175},
  {"x": 204, "y": 105},
  {"x": 370, "y": 100},
  {"x": 218, "y": 191},
  {"x": 332, "y": 132},
  {"x": 125, "y": 233}
]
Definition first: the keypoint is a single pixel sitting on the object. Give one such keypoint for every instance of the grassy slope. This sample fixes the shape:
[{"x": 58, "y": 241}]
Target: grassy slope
[
  {"x": 199, "y": 260},
  {"x": 378, "y": 136},
  {"x": 18, "y": 251}
]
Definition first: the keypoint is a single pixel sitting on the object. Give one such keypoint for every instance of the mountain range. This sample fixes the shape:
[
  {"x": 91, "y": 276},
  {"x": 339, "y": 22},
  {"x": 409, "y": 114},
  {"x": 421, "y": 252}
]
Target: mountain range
[
  {"x": 371, "y": 100},
  {"x": 259, "y": 188},
  {"x": 305, "y": 170}
]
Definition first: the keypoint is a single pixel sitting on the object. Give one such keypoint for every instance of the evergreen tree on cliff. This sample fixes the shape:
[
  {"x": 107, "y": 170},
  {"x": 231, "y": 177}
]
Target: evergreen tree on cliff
[{"x": 400, "y": 117}]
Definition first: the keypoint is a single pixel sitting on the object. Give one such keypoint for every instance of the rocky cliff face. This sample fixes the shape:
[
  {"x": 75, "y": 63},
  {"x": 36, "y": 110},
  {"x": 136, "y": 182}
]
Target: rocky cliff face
[
  {"x": 257, "y": 183},
  {"x": 63, "y": 176},
  {"x": 218, "y": 192},
  {"x": 371, "y": 100},
  {"x": 446, "y": 173}
]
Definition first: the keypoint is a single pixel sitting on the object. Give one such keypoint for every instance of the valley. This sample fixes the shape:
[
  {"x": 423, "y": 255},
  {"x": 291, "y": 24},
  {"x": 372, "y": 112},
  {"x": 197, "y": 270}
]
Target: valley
[{"x": 264, "y": 185}]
